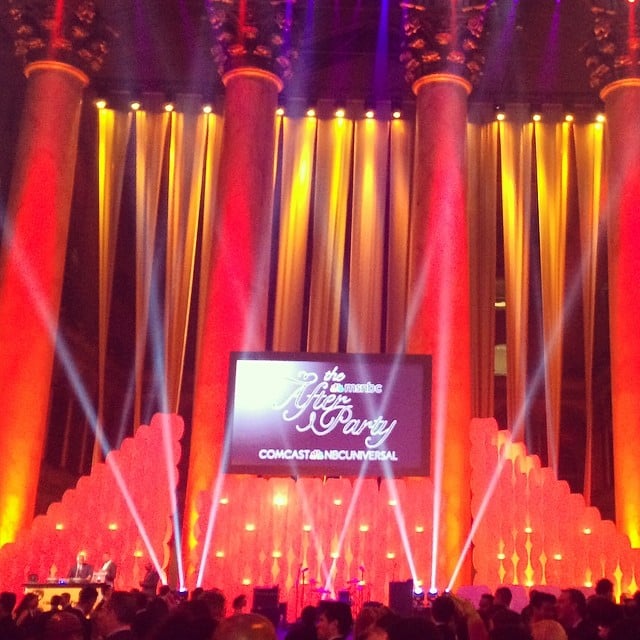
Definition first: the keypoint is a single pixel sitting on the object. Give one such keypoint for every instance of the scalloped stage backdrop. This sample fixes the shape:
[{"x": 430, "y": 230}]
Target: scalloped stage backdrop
[{"x": 350, "y": 535}]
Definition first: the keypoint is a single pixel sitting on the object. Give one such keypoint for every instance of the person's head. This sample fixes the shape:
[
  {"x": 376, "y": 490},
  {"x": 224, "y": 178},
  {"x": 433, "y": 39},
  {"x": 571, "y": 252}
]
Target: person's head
[
  {"x": 55, "y": 602},
  {"x": 239, "y": 603},
  {"x": 66, "y": 599},
  {"x": 548, "y": 630},
  {"x": 8, "y": 601},
  {"x": 63, "y": 626},
  {"x": 29, "y": 602},
  {"x": 604, "y": 589},
  {"x": 485, "y": 603},
  {"x": 412, "y": 628},
  {"x": 81, "y": 558},
  {"x": 148, "y": 566},
  {"x": 443, "y": 610},
  {"x": 216, "y": 601},
  {"x": 571, "y": 606},
  {"x": 87, "y": 598},
  {"x": 334, "y": 619},
  {"x": 190, "y": 620},
  {"x": 308, "y": 615},
  {"x": 503, "y": 596},
  {"x": 543, "y": 606},
  {"x": 118, "y": 613},
  {"x": 106, "y": 556},
  {"x": 245, "y": 626}
]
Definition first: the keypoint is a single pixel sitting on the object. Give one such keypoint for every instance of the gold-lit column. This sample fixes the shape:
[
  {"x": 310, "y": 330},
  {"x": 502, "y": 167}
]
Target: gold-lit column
[
  {"x": 236, "y": 311},
  {"x": 439, "y": 304},
  {"x": 622, "y": 108},
  {"x": 31, "y": 273}
]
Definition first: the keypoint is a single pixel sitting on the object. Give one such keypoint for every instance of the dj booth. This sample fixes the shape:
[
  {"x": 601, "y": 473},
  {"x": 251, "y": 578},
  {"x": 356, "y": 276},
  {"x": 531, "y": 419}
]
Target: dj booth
[{"x": 47, "y": 590}]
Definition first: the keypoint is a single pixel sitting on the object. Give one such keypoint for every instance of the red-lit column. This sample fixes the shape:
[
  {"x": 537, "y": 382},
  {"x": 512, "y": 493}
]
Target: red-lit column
[
  {"x": 236, "y": 311},
  {"x": 31, "y": 272},
  {"x": 622, "y": 105},
  {"x": 439, "y": 304},
  {"x": 442, "y": 71}
]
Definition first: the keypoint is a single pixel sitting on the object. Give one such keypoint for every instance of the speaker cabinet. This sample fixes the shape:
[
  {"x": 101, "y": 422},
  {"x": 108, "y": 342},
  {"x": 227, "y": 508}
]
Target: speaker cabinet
[
  {"x": 401, "y": 597},
  {"x": 266, "y": 603}
]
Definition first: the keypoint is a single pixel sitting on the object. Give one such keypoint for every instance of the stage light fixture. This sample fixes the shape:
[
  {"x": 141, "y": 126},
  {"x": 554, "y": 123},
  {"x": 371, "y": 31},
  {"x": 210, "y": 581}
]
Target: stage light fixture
[
  {"x": 100, "y": 103},
  {"x": 419, "y": 529},
  {"x": 337, "y": 502},
  {"x": 112, "y": 526},
  {"x": 536, "y": 113},
  {"x": 557, "y": 556},
  {"x": 528, "y": 530},
  {"x": 138, "y": 554},
  {"x": 500, "y": 114},
  {"x": 340, "y": 111},
  {"x": 59, "y": 526},
  {"x": 501, "y": 556},
  {"x": 276, "y": 554},
  {"x": 280, "y": 111},
  {"x": 249, "y": 526},
  {"x": 306, "y": 527},
  {"x": 135, "y": 105},
  {"x": 600, "y": 117},
  {"x": 207, "y": 108},
  {"x": 224, "y": 500},
  {"x": 391, "y": 555},
  {"x": 569, "y": 117},
  {"x": 369, "y": 109},
  {"x": 279, "y": 500},
  {"x": 393, "y": 503},
  {"x": 220, "y": 554},
  {"x": 311, "y": 110},
  {"x": 246, "y": 582},
  {"x": 587, "y": 531},
  {"x": 334, "y": 555},
  {"x": 364, "y": 528},
  {"x": 168, "y": 107}
]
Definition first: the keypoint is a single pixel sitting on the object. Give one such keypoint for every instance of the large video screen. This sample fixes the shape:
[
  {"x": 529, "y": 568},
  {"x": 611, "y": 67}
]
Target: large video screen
[{"x": 308, "y": 414}]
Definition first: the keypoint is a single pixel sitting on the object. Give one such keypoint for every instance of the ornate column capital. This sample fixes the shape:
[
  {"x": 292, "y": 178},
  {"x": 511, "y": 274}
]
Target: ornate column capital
[
  {"x": 441, "y": 37},
  {"x": 612, "y": 51},
  {"x": 73, "y": 32},
  {"x": 255, "y": 34}
]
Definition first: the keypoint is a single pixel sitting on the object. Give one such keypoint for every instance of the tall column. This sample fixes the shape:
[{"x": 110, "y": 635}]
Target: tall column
[
  {"x": 238, "y": 287},
  {"x": 439, "y": 295},
  {"x": 33, "y": 251},
  {"x": 616, "y": 26}
]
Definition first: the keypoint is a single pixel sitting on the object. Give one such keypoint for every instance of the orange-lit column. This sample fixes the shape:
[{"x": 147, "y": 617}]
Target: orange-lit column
[
  {"x": 236, "y": 311},
  {"x": 31, "y": 271},
  {"x": 622, "y": 104},
  {"x": 439, "y": 308}
]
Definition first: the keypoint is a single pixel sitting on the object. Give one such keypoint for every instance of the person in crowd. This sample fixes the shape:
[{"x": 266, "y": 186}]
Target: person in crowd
[
  {"x": 572, "y": 614},
  {"x": 62, "y": 625},
  {"x": 108, "y": 568},
  {"x": 148, "y": 617},
  {"x": 239, "y": 604},
  {"x": 542, "y": 606},
  {"x": 412, "y": 628},
  {"x": 26, "y": 615},
  {"x": 369, "y": 618},
  {"x": 246, "y": 626},
  {"x": 190, "y": 620},
  {"x": 217, "y": 603},
  {"x": 114, "y": 620},
  {"x": 81, "y": 570},
  {"x": 443, "y": 612},
  {"x": 149, "y": 582},
  {"x": 510, "y": 632},
  {"x": 334, "y": 620},
  {"x": 8, "y": 627},
  {"x": 485, "y": 604},
  {"x": 604, "y": 589},
  {"x": 305, "y": 627},
  {"x": 603, "y": 614},
  {"x": 503, "y": 597},
  {"x": 86, "y": 601},
  {"x": 548, "y": 630}
]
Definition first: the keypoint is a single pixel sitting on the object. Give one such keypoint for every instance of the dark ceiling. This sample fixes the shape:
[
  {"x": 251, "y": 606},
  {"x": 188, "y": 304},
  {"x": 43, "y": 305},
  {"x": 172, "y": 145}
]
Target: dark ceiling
[{"x": 348, "y": 49}]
